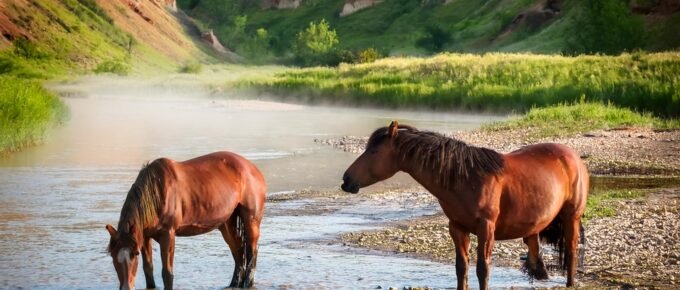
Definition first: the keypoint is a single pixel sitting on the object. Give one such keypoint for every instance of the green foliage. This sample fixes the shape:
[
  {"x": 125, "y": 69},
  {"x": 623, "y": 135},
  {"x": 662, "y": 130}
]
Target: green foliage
[
  {"x": 600, "y": 204},
  {"x": 26, "y": 49},
  {"x": 368, "y": 55},
  {"x": 256, "y": 47},
  {"x": 27, "y": 110},
  {"x": 397, "y": 27},
  {"x": 567, "y": 120},
  {"x": 606, "y": 26},
  {"x": 495, "y": 81},
  {"x": 113, "y": 66},
  {"x": 191, "y": 68},
  {"x": 314, "y": 44},
  {"x": 435, "y": 39}
]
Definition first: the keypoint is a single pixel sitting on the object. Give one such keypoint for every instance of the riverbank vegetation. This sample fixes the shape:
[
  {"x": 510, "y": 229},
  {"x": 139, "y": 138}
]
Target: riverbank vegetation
[
  {"x": 571, "y": 119},
  {"x": 500, "y": 82},
  {"x": 27, "y": 110}
]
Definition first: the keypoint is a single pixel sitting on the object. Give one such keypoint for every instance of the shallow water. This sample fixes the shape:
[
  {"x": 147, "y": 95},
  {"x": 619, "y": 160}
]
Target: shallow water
[{"x": 57, "y": 197}]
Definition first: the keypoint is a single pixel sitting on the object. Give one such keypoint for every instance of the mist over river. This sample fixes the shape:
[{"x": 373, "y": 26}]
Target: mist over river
[{"x": 57, "y": 197}]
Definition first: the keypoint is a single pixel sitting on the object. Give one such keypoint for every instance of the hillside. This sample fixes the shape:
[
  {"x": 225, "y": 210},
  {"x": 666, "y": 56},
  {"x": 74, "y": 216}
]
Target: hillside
[
  {"x": 58, "y": 39},
  {"x": 395, "y": 26},
  {"x": 45, "y": 38}
]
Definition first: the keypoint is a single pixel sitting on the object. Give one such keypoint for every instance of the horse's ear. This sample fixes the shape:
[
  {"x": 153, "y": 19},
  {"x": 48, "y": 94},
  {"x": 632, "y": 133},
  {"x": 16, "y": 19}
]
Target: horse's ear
[
  {"x": 112, "y": 230},
  {"x": 393, "y": 129}
]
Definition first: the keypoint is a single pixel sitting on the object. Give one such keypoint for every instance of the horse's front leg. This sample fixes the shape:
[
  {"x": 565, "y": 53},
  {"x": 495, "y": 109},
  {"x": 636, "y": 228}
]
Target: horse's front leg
[
  {"x": 147, "y": 261},
  {"x": 167, "y": 241},
  {"x": 461, "y": 240},
  {"x": 534, "y": 266},
  {"x": 485, "y": 236}
]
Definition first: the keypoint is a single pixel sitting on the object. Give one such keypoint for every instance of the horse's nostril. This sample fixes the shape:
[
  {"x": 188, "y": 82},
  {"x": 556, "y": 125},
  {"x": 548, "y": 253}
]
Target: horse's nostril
[{"x": 345, "y": 177}]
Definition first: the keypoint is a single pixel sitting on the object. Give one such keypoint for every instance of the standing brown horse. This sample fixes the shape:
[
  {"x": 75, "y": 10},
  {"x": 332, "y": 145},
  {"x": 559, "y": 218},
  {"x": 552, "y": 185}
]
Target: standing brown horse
[
  {"x": 221, "y": 191},
  {"x": 539, "y": 189}
]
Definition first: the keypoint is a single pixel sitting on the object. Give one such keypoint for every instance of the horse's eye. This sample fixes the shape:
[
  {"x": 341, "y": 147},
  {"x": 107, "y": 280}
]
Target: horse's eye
[
  {"x": 373, "y": 151},
  {"x": 135, "y": 253}
]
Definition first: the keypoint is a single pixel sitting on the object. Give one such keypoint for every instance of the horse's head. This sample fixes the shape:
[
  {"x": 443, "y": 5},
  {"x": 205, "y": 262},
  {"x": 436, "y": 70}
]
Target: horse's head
[
  {"x": 377, "y": 163},
  {"x": 124, "y": 250}
]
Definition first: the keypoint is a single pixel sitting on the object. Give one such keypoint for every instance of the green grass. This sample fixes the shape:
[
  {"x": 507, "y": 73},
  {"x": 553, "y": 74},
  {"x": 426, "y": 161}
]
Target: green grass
[
  {"x": 601, "y": 204},
  {"x": 27, "y": 110},
  {"x": 113, "y": 66},
  {"x": 499, "y": 82},
  {"x": 566, "y": 120}
]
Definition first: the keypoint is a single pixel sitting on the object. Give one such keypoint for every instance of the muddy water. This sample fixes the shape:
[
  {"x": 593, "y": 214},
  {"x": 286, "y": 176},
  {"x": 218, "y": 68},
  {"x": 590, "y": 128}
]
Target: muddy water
[{"x": 57, "y": 197}]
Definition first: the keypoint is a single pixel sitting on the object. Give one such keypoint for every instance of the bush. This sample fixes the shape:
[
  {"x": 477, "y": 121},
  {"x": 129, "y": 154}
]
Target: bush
[
  {"x": 435, "y": 39},
  {"x": 368, "y": 55},
  {"x": 113, "y": 66},
  {"x": 191, "y": 68},
  {"x": 605, "y": 26},
  {"x": 315, "y": 44}
]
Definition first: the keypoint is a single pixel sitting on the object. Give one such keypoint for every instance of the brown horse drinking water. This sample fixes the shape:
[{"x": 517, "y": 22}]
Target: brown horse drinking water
[
  {"x": 538, "y": 190},
  {"x": 216, "y": 191}
]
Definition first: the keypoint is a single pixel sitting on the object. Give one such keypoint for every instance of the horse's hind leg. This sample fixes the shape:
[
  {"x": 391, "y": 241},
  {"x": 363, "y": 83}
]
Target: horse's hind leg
[
  {"x": 231, "y": 234},
  {"x": 534, "y": 266},
  {"x": 571, "y": 241},
  {"x": 147, "y": 264},
  {"x": 252, "y": 224}
]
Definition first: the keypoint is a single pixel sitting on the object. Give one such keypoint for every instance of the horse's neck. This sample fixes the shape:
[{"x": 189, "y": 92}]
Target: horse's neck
[
  {"x": 429, "y": 180},
  {"x": 136, "y": 231}
]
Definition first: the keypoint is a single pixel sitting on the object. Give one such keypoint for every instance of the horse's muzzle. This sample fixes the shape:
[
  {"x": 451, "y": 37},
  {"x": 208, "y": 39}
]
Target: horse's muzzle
[{"x": 349, "y": 185}]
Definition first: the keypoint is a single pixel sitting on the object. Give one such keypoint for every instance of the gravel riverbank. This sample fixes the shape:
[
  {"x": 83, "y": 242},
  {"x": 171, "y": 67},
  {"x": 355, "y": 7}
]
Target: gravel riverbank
[{"x": 637, "y": 247}]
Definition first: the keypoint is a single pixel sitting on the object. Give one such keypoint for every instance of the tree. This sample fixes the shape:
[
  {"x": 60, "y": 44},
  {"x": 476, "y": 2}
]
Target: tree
[
  {"x": 435, "y": 39},
  {"x": 256, "y": 47},
  {"x": 605, "y": 26},
  {"x": 315, "y": 43}
]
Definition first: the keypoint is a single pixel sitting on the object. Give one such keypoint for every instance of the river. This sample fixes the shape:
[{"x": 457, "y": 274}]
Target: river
[{"x": 57, "y": 197}]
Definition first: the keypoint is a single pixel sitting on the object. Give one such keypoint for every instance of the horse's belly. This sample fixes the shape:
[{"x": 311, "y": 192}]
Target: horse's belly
[
  {"x": 513, "y": 227},
  {"x": 194, "y": 230}
]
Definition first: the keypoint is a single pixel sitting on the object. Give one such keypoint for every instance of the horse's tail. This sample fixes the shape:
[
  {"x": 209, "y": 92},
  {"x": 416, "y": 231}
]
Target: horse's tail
[
  {"x": 582, "y": 246},
  {"x": 554, "y": 235},
  {"x": 242, "y": 234}
]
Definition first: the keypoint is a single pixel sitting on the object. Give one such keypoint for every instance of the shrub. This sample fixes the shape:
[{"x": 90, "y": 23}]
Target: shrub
[
  {"x": 605, "y": 26},
  {"x": 191, "y": 68},
  {"x": 113, "y": 66},
  {"x": 435, "y": 39},
  {"x": 368, "y": 55},
  {"x": 314, "y": 44}
]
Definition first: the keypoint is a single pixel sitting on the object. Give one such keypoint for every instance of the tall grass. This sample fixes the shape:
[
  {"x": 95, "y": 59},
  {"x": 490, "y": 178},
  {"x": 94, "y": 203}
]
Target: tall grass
[
  {"x": 570, "y": 119},
  {"x": 27, "y": 110},
  {"x": 493, "y": 81}
]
